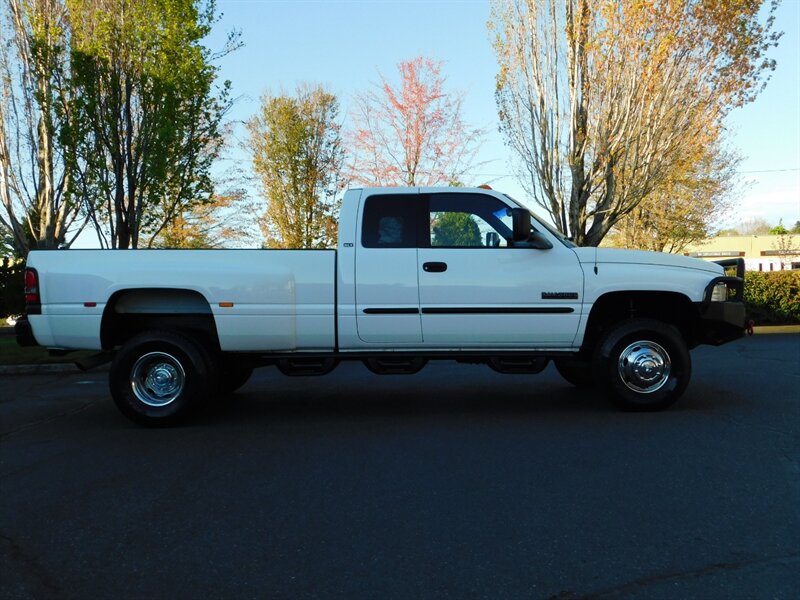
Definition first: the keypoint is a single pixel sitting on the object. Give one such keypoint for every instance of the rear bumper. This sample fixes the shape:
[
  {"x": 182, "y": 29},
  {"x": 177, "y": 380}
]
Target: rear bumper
[{"x": 24, "y": 333}]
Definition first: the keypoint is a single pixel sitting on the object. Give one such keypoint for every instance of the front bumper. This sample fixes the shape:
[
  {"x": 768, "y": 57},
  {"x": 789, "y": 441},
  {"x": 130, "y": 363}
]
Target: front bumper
[
  {"x": 24, "y": 333},
  {"x": 721, "y": 322}
]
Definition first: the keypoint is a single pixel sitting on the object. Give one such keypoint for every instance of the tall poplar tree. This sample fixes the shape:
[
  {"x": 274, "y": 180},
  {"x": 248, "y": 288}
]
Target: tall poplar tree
[{"x": 297, "y": 155}]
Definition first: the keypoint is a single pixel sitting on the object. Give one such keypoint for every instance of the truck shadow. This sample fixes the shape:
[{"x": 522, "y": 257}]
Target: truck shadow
[
  {"x": 352, "y": 392},
  {"x": 440, "y": 390}
]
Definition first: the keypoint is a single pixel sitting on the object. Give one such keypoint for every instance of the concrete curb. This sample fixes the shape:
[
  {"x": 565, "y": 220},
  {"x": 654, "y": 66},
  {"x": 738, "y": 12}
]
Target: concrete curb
[{"x": 761, "y": 329}]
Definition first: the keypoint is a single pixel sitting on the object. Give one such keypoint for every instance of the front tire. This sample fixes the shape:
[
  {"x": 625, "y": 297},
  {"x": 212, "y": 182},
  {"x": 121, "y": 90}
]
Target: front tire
[
  {"x": 643, "y": 364},
  {"x": 160, "y": 378}
]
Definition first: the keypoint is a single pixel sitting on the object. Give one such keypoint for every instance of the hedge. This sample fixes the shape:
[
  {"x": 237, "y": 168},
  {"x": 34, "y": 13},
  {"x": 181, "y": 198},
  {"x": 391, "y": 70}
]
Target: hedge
[
  {"x": 773, "y": 297},
  {"x": 12, "y": 284}
]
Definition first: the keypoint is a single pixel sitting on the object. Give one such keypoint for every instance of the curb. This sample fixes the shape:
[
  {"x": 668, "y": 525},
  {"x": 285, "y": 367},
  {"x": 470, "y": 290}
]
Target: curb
[{"x": 768, "y": 329}]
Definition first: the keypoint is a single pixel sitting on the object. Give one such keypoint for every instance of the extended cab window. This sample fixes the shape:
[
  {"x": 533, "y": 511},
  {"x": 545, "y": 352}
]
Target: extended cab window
[
  {"x": 468, "y": 221},
  {"x": 390, "y": 221}
]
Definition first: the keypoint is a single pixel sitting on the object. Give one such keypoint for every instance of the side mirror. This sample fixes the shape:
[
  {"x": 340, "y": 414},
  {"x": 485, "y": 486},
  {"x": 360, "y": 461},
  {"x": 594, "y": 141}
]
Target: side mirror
[
  {"x": 521, "y": 224},
  {"x": 523, "y": 234},
  {"x": 539, "y": 242}
]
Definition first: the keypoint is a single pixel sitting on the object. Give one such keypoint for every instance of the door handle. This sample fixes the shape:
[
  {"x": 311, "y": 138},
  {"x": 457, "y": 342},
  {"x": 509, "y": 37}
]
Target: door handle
[{"x": 434, "y": 267}]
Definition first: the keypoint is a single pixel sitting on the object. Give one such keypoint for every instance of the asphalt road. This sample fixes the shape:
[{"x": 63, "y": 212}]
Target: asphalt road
[{"x": 453, "y": 483}]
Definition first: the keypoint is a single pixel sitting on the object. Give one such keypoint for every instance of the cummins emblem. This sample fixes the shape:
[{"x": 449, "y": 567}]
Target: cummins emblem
[{"x": 559, "y": 295}]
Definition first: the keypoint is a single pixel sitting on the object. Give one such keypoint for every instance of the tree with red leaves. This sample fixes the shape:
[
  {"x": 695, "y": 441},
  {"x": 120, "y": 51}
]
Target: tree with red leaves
[{"x": 412, "y": 134}]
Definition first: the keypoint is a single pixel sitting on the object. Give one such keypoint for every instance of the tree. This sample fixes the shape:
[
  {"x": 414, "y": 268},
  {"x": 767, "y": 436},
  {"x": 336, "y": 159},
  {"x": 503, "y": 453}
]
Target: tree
[
  {"x": 36, "y": 111},
  {"x": 412, "y": 134},
  {"x": 796, "y": 228},
  {"x": 227, "y": 220},
  {"x": 685, "y": 209},
  {"x": 728, "y": 232},
  {"x": 599, "y": 98},
  {"x": 754, "y": 226},
  {"x": 295, "y": 144},
  {"x": 779, "y": 229},
  {"x": 7, "y": 246},
  {"x": 222, "y": 222},
  {"x": 455, "y": 229},
  {"x": 784, "y": 247},
  {"x": 149, "y": 117}
]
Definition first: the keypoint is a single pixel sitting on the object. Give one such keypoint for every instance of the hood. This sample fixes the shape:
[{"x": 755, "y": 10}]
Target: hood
[{"x": 641, "y": 257}]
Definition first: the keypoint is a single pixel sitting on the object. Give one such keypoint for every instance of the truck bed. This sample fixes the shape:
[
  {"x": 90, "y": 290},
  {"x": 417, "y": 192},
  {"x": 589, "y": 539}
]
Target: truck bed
[{"x": 261, "y": 300}]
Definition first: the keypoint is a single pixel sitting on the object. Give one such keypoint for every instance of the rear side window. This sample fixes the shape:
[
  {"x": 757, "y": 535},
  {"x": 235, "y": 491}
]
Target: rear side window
[{"x": 390, "y": 221}]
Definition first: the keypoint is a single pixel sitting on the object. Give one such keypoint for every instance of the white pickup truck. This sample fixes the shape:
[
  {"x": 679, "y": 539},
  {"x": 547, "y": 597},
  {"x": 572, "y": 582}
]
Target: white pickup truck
[{"x": 462, "y": 274}]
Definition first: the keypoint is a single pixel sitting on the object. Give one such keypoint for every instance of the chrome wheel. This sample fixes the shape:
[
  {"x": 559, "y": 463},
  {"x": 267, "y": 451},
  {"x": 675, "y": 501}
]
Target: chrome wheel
[
  {"x": 157, "y": 378},
  {"x": 644, "y": 367}
]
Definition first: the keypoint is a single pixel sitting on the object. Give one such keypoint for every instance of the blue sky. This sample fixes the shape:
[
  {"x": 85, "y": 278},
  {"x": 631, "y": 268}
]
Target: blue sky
[{"x": 344, "y": 44}]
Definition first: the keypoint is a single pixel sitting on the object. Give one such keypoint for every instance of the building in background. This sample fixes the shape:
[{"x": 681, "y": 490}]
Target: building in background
[{"x": 760, "y": 252}]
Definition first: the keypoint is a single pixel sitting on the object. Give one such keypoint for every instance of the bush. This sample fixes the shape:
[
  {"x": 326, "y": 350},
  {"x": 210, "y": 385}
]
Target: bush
[
  {"x": 12, "y": 288},
  {"x": 773, "y": 298}
]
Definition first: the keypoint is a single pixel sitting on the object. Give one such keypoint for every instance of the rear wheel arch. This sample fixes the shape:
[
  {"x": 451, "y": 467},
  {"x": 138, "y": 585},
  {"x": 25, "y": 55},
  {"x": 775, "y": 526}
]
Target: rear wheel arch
[{"x": 133, "y": 311}]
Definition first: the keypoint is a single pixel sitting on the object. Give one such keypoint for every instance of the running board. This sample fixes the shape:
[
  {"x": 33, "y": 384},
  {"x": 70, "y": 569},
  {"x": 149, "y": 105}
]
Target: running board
[
  {"x": 306, "y": 366},
  {"x": 521, "y": 365},
  {"x": 395, "y": 365}
]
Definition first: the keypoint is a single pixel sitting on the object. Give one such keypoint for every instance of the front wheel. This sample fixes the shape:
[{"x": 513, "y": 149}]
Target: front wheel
[
  {"x": 643, "y": 364},
  {"x": 159, "y": 378}
]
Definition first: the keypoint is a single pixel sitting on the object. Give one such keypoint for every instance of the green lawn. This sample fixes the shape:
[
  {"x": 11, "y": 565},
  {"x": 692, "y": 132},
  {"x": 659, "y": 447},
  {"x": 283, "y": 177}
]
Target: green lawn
[{"x": 11, "y": 354}]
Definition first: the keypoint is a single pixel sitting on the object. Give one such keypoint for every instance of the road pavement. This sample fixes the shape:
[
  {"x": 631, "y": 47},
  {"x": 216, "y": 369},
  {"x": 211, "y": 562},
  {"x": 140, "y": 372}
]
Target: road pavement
[{"x": 455, "y": 483}]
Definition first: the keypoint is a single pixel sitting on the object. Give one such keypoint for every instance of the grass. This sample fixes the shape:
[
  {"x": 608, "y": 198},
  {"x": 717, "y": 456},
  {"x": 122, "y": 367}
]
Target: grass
[{"x": 12, "y": 354}]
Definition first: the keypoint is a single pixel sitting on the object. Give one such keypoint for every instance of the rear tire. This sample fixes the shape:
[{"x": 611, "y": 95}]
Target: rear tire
[
  {"x": 643, "y": 364},
  {"x": 159, "y": 378}
]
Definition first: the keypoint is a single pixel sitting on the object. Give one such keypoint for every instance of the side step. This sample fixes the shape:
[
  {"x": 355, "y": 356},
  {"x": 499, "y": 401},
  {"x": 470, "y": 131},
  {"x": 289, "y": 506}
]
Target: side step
[
  {"x": 518, "y": 365},
  {"x": 395, "y": 365},
  {"x": 306, "y": 366}
]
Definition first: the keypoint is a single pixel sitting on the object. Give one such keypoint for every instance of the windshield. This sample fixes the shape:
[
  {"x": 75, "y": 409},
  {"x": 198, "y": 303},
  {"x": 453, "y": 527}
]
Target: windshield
[{"x": 545, "y": 225}]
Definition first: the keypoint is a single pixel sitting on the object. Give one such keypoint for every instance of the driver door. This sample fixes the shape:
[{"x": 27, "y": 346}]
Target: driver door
[{"x": 477, "y": 290}]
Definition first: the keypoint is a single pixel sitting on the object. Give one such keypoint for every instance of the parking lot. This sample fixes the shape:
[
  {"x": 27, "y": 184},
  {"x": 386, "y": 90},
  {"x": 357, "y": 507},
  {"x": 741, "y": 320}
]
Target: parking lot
[{"x": 454, "y": 483}]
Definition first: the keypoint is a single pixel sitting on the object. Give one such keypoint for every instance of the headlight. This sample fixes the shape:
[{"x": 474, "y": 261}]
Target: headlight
[{"x": 720, "y": 293}]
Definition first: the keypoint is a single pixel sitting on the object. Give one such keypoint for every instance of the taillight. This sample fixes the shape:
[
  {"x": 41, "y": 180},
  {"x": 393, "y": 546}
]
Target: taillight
[{"x": 33, "y": 303}]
